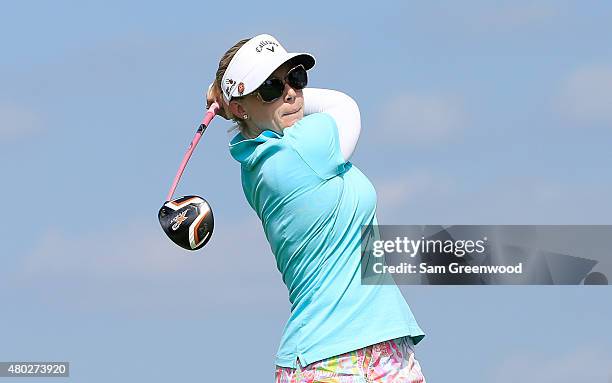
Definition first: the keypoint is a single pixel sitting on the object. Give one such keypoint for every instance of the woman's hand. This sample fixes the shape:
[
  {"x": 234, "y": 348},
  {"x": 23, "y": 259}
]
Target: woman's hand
[{"x": 213, "y": 95}]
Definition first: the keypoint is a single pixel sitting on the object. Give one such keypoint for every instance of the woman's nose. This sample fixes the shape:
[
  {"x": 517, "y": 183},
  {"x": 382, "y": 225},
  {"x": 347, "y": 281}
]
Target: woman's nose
[{"x": 290, "y": 93}]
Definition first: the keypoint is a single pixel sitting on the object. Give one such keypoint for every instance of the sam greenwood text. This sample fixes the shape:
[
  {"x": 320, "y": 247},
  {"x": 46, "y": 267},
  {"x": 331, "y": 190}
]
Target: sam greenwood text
[{"x": 453, "y": 268}]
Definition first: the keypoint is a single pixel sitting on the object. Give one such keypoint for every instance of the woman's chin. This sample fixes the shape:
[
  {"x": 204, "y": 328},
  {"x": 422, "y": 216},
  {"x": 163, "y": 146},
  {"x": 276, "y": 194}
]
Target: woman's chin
[{"x": 291, "y": 119}]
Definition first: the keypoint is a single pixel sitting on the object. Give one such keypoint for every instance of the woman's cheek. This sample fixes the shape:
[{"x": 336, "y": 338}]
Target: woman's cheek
[{"x": 284, "y": 121}]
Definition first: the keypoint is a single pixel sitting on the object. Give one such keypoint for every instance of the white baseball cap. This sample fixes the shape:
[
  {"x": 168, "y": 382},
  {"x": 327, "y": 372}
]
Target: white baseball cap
[{"x": 254, "y": 62}]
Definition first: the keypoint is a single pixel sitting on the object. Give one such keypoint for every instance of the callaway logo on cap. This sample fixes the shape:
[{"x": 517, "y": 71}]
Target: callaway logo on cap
[{"x": 254, "y": 63}]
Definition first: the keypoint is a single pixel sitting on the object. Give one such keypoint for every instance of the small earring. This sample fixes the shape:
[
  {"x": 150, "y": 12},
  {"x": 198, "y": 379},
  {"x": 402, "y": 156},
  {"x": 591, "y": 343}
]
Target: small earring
[{"x": 245, "y": 116}]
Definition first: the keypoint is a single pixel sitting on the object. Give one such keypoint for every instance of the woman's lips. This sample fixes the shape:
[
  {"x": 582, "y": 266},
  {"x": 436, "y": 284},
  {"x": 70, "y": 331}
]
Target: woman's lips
[{"x": 288, "y": 114}]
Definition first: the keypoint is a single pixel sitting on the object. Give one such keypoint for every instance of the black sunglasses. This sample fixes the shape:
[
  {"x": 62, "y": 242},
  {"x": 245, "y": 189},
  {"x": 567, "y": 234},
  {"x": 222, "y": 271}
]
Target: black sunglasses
[{"x": 273, "y": 88}]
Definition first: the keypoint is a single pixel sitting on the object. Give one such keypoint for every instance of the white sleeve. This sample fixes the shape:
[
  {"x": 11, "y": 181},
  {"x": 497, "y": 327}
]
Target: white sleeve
[{"x": 344, "y": 111}]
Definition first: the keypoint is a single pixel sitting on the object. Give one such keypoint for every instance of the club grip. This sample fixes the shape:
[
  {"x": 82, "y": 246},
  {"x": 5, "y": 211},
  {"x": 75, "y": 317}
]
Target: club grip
[{"x": 210, "y": 113}]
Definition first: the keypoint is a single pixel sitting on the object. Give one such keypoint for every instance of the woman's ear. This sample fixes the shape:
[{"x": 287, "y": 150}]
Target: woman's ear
[{"x": 237, "y": 109}]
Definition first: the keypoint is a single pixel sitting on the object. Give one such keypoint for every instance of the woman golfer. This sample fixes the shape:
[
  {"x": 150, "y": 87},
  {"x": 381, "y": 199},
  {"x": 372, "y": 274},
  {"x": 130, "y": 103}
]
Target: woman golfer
[{"x": 293, "y": 146}]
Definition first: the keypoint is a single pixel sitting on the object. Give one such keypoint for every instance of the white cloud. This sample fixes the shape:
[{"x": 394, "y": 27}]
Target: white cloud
[
  {"x": 515, "y": 15},
  {"x": 428, "y": 197},
  {"x": 135, "y": 267},
  {"x": 17, "y": 121},
  {"x": 566, "y": 366},
  {"x": 417, "y": 119},
  {"x": 400, "y": 196},
  {"x": 586, "y": 95}
]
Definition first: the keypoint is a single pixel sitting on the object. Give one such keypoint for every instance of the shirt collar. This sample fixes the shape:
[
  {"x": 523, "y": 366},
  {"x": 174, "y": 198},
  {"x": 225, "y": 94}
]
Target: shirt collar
[{"x": 243, "y": 149}]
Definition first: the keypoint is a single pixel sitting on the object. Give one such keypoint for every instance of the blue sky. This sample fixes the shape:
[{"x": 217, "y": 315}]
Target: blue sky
[{"x": 473, "y": 112}]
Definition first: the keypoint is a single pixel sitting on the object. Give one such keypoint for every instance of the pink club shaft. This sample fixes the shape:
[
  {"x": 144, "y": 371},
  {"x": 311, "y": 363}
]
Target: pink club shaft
[{"x": 210, "y": 114}]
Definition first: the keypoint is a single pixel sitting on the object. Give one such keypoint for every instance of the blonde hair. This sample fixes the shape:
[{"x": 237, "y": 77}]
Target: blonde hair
[{"x": 218, "y": 88}]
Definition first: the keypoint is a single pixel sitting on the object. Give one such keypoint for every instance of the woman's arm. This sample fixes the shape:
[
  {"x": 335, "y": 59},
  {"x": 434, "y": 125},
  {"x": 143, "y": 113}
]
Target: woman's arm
[{"x": 344, "y": 111}]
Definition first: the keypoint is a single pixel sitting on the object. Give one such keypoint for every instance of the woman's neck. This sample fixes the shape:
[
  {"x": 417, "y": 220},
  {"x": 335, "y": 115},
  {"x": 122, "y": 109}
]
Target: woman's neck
[{"x": 251, "y": 133}]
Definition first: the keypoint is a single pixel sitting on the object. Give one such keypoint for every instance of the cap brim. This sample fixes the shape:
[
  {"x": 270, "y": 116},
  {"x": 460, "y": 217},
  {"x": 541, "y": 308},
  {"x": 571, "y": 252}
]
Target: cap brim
[{"x": 305, "y": 59}]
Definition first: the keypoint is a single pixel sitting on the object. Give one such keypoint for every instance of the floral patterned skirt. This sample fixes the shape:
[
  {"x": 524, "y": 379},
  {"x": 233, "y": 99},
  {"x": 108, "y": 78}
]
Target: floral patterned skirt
[{"x": 391, "y": 361}]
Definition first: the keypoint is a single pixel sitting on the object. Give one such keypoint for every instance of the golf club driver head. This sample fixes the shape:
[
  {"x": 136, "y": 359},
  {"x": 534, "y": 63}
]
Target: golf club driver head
[{"x": 188, "y": 221}]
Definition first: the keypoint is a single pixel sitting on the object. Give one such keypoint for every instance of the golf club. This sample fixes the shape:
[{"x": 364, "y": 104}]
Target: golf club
[{"x": 188, "y": 221}]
